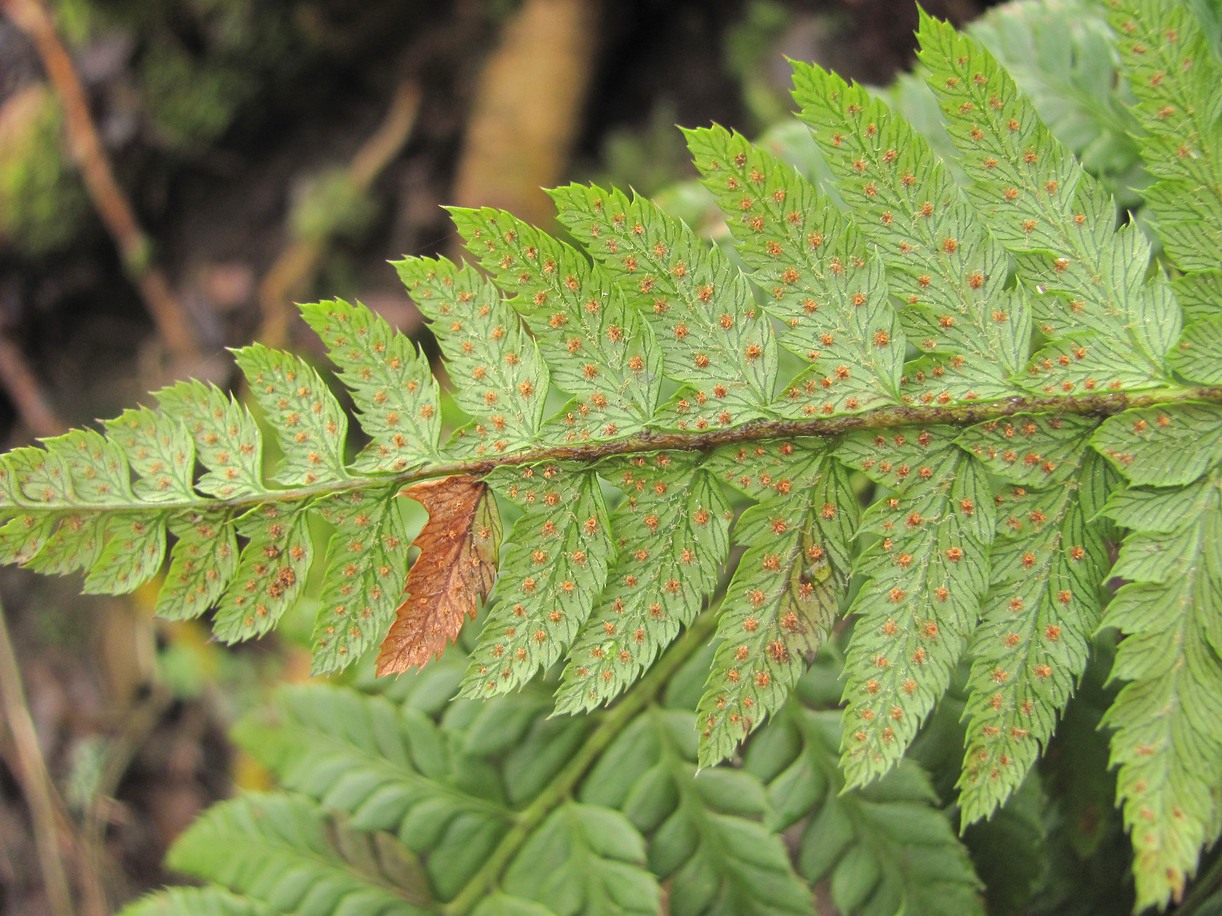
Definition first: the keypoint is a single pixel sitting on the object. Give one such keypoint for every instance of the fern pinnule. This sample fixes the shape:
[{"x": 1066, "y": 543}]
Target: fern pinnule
[
  {"x": 823, "y": 285},
  {"x": 597, "y": 346},
  {"x": 672, "y": 539},
  {"x": 553, "y": 571},
  {"x": 1165, "y": 738},
  {"x": 787, "y": 589},
  {"x": 941, "y": 260},
  {"x": 924, "y": 578},
  {"x": 1174, "y": 75},
  {"x": 713, "y": 336},
  {"x": 391, "y": 384},
  {"x": 1043, "y": 605},
  {"x": 499, "y": 379},
  {"x": 1107, "y": 325}
]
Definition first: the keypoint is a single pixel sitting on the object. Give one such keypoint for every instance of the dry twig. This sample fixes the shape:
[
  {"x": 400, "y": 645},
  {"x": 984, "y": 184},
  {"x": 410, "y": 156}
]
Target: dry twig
[
  {"x": 135, "y": 248},
  {"x": 298, "y": 262},
  {"x": 46, "y": 810}
]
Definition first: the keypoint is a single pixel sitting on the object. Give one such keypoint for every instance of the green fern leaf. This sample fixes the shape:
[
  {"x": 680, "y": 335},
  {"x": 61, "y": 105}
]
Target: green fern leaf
[
  {"x": 1158, "y": 446},
  {"x": 787, "y": 589},
  {"x": 285, "y": 852},
  {"x": 597, "y": 346},
  {"x": 1198, "y": 355},
  {"x": 1044, "y": 603},
  {"x": 550, "y": 576},
  {"x": 387, "y": 768},
  {"x": 364, "y": 580},
  {"x": 885, "y": 849},
  {"x": 826, "y": 289},
  {"x": 713, "y": 336},
  {"x": 204, "y": 561},
  {"x": 1108, "y": 325},
  {"x": 672, "y": 541},
  {"x": 705, "y": 837},
  {"x": 394, "y": 391},
  {"x": 132, "y": 551},
  {"x": 159, "y": 449},
  {"x": 594, "y": 862},
  {"x": 1165, "y": 718},
  {"x": 198, "y": 901},
  {"x": 498, "y": 376},
  {"x": 926, "y": 575},
  {"x": 310, "y": 425},
  {"x": 271, "y": 571},
  {"x": 227, "y": 440},
  {"x": 939, "y": 257},
  {"x": 1174, "y": 75}
]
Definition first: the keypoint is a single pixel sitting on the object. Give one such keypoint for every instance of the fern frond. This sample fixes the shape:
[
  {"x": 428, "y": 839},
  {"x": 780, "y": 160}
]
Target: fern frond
[
  {"x": 706, "y": 837},
  {"x": 886, "y": 849},
  {"x": 285, "y": 852},
  {"x": 203, "y": 901},
  {"x": 663, "y": 428},
  {"x": 387, "y": 769},
  {"x": 594, "y": 862}
]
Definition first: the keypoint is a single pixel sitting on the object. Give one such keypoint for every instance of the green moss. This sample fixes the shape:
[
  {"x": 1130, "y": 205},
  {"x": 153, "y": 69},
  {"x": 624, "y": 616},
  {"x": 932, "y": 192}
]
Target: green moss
[{"x": 42, "y": 202}]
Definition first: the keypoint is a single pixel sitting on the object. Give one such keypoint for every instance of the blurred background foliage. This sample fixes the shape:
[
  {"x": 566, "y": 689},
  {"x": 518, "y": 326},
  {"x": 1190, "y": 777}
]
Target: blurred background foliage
[{"x": 283, "y": 150}]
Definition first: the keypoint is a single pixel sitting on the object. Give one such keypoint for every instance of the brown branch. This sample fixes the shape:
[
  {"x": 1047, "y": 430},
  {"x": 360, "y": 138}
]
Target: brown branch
[
  {"x": 299, "y": 261},
  {"x": 46, "y": 809},
  {"x": 1106, "y": 404},
  {"x": 527, "y": 109},
  {"x": 135, "y": 248},
  {"x": 24, "y": 391}
]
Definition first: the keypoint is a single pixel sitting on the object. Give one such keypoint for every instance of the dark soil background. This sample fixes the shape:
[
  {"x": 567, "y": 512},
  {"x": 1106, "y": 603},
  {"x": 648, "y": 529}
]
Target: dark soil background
[{"x": 274, "y": 152}]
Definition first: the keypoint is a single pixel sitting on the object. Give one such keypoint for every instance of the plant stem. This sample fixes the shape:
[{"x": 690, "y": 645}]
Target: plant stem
[
  {"x": 135, "y": 248},
  {"x": 46, "y": 811},
  {"x": 964, "y": 414},
  {"x": 612, "y": 723}
]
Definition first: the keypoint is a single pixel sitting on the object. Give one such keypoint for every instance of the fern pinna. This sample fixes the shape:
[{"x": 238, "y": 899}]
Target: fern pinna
[{"x": 942, "y": 389}]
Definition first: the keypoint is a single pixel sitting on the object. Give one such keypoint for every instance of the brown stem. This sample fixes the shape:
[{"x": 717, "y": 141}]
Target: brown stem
[
  {"x": 963, "y": 414},
  {"x": 135, "y": 247},
  {"x": 298, "y": 262},
  {"x": 46, "y": 810},
  {"x": 24, "y": 391}
]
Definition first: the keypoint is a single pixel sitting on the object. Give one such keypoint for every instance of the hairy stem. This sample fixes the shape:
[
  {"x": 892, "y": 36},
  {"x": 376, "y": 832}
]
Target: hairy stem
[
  {"x": 1091, "y": 405},
  {"x": 635, "y": 701}
]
